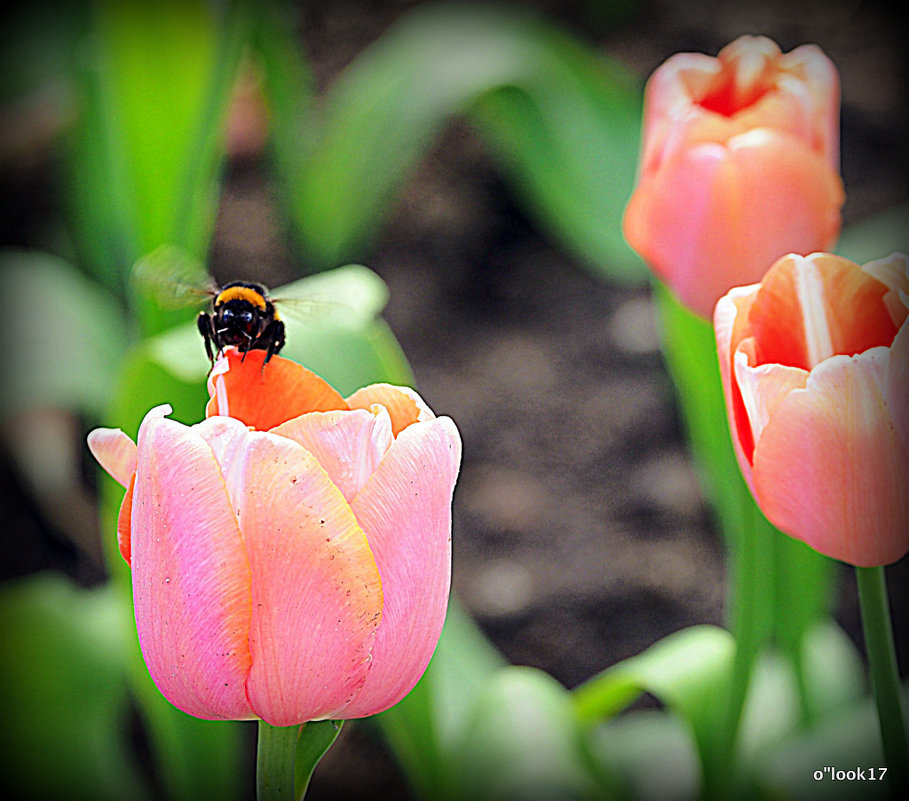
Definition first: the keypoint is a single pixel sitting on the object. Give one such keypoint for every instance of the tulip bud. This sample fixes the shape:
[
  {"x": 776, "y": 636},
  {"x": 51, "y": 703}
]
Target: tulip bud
[
  {"x": 291, "y": 554},
  {"x": 815, "y": 369},
  {"x": 739, "y": 166}
]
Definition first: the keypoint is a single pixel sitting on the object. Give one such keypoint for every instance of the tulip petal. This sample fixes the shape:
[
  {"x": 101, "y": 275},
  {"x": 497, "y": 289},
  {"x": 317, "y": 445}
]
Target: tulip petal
[
  {"x": 191, "y": 578},
  {"x": 898, "y": 384},
  {"x": 893, "y": 272},
  {"x": 264, "y": 396},
  {"x": 729, "y": 318},
  {"x": 763, "y": 386},
  {"x": 829, "y": 468},
  {"x": 124, "y": 522},
  {"x": 816, "y": 306},
  {"x": 316, "y": 591},
  {"x": 405, "y": 508},
  {"x": 348, "y": 445},
  {"x": 746, "y": 204},
  {"x": 115, "y": 452},
  {"x": 404, "y": 405}
]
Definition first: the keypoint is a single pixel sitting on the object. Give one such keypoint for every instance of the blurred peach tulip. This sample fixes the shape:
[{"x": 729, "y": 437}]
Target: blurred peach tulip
[
  {"x": 291, "y": 555},
  {"x": 815, "y": 367},
  {"x": 739, "y": 166}
]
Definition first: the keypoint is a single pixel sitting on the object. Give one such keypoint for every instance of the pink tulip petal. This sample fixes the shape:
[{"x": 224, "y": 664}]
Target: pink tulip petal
[
  {"x": 897, "y": 391},
  {"x": 316, "y": 591},
  {"x": 404, "y": 405},
  {"x": 348, "y": 445},
  {"x": 828, "y": 468},
  {"x": 405, "y": 510},
  {"x": 893, "y": 272},
  {"x": 764, "y": 386},
  {"x": 191, "y": 578},
  {"x": 729, "y": 318},
  {"x": 115, "y": 452}
]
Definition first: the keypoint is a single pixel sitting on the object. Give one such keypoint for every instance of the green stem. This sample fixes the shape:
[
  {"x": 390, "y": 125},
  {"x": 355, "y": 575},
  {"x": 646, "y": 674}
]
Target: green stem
[
  {"x": 751, "y": 587},
  {"x": 275, "y": 754},
  {"x": 885, "y": 682},
  {"x": 286, "y": 757}
]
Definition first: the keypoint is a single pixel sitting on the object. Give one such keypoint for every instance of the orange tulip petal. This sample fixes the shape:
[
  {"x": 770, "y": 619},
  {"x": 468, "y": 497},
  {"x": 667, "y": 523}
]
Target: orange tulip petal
[
  {"x": 348, "y": 445},
  {"x": 124, "y": 522},
  {"x": 115, "y": 452},
  {"x": 810, "y": 308},
  {"x": 828, "y": 469},
  {"x": 404, "y": 405},
  {"x": 266, "y": 396},
  {"x": 405, "y": 509},
  {"x": 316, "y": 591},
  {"x": 191, "y": 579}
]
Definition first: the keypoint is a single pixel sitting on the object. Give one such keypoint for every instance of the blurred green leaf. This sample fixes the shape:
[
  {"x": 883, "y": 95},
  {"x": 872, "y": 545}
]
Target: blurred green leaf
[
  {"x": 651, "y": 755},
  {"x": 522, "y": 742},
  {"x": 846, "y": 741},
  {"x": 876, "y": 237},
  {"x": 146, "y": 156},
  {"x": 65, "y": 336},
  {"x": 688, "y": 671},
  {"x": 834, "y": 675},
  {"x": 565, "y": 121},
  {"x": 65, "y": 726},
  {"x": 425, "y": 728}
]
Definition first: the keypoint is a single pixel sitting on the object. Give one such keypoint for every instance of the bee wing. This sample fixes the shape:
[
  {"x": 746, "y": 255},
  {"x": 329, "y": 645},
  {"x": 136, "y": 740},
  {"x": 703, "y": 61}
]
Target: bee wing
[
  {"x": 310, "y": 310},
  {"x": 172, "y": 278}
]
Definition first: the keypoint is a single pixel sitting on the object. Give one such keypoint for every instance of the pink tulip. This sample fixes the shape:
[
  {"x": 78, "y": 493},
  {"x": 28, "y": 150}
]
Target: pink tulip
[
  {"x": 815, "y": 367},
  {"x": 291, "y": 554},
  {"x": 739, "y": 166}
]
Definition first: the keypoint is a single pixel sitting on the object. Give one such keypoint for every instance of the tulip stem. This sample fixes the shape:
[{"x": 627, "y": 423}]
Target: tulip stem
[
  {"x": 276, "y": 751},
  {"x": 286, "y": 757},
  {"x": 885, "y": 684}
]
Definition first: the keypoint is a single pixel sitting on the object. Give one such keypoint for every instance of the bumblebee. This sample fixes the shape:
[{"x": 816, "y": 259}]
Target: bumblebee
[{"x": 242, "y": 315}]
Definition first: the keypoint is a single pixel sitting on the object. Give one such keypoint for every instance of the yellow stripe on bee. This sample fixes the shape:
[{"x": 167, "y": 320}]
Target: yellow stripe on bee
[{"x": 241, "y": 293}]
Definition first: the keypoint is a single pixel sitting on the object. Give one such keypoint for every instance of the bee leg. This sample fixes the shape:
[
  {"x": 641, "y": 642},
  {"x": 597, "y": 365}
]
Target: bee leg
[
  {"x": 203, "y": 322},
  {"x": 275, "y": 340}
]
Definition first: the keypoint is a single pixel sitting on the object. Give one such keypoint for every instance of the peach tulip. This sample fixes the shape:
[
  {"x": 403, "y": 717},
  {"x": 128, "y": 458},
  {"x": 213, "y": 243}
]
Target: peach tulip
[
  {"x": 815, "y": 368},
  {"x": 739, "y": 166},
  {"x": 291, "y": 554}
]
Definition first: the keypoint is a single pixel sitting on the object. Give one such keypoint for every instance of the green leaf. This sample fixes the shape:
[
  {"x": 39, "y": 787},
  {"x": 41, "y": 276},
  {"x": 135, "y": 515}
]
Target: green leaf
[
  {"x": 148, "y": 150},
  {"x": 522, "y": 742},
  {"x": 316, "y": 737},
  {"x": 846, "y": 741},
  {"x": 877, "y": 236},
  {"x": 425, "y": 728},
  {"x": 65, "y": 725},
  {"x": 651, "y": 756},
  {"x": 688, "y": 671},
  {"x": 65, "y": 336},
  {"x": 564, "y": 120}
]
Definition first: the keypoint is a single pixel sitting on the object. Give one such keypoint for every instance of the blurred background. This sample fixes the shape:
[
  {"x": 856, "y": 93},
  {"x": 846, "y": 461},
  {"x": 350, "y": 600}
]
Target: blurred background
[{"x": 580, "y": 533}]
